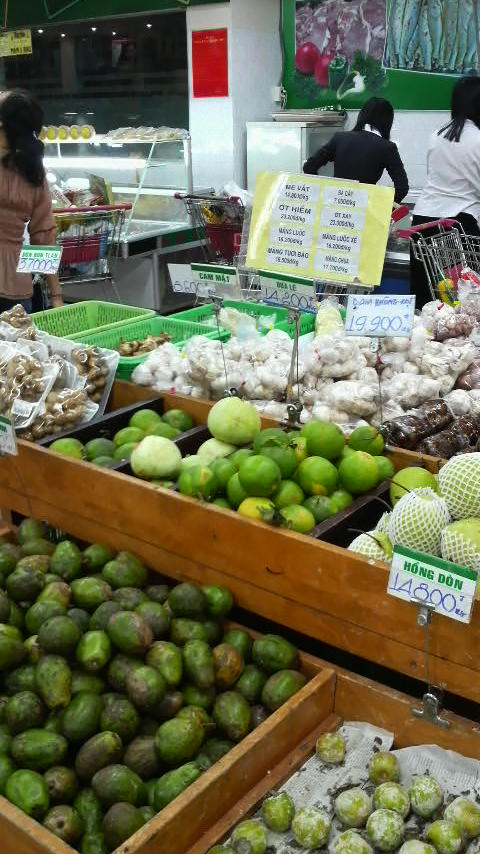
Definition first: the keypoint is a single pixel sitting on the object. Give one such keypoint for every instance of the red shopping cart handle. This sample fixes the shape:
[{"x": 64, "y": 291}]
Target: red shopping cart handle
[
  {"x": 94, "y": 209},
  {"x": 425, "y": 226},
  {"x": 400, "y": 213}
]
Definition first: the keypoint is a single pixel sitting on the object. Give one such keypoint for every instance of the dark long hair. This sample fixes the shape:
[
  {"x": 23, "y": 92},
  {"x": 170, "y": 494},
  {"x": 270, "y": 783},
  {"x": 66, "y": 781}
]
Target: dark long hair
[
  {"x": 465, "y": 105},
  {"x": 378, "y": 113},
  {"x": 22, "y": 119}
]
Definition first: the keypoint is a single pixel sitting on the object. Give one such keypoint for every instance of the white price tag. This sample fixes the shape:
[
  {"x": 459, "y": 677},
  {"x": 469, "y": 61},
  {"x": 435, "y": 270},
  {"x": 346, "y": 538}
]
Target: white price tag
[
  {"x": 204, "y": 280},
  {"x": 39, "y": 259},
  {"x": 8, "y": 439},
  {"x": 288, "y": 291},
  {"x": 429, "y": 580},
  {"x": 385, "y": 314}
]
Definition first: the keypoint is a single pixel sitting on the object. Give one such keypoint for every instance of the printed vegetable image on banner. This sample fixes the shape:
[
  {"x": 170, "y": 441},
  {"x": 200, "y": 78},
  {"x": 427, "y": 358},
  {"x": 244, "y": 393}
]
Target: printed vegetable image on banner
[
  {"x": 319, "y": 228},
  {"x": 339, "y": 48}
]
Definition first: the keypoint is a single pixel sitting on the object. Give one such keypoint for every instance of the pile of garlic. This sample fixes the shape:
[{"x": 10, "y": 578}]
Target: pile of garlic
[{"x": 337, "y": 377}]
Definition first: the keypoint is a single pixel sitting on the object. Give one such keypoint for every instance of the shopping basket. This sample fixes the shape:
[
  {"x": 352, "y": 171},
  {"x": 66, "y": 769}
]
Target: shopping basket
[
  {"x": 90, "y": 238},
  {"x": 218, "y": 222},
  {"x": 444, "y": 254}
]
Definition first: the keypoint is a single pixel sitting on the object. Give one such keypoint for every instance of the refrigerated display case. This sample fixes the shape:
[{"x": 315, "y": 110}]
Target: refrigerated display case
[
  {"x": 148, "y": 173},
  {"x": 284, "y": 146}
]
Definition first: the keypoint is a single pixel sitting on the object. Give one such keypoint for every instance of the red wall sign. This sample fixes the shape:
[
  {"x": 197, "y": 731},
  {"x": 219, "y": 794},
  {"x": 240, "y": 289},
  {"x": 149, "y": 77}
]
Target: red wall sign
[{"x": 210, "y": 63}]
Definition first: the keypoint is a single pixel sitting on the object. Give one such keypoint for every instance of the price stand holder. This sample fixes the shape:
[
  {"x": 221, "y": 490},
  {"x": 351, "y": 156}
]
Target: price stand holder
[
  {"x": 435, "y": 586},
  {"x": 40, "y": 259},
  {"x": 8, "y": 439}
]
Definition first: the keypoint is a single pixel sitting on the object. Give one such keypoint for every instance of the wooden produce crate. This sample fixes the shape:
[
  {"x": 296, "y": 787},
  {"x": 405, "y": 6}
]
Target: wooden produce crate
[
  {"x": 308, "y": 585},
  {"x": 178, "y": 826},
  {"x": 355, "y": 699}
]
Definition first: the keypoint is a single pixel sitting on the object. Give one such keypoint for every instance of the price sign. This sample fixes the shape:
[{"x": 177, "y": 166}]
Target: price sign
[
  {"x": 40, "y": 259},
  {"x": 204, "y": 280},
  {"x": 288, "y": 291},
  {"x": 433, "y": 581},
  {"x": 16, "y": 43},
  {"x": 8, "y": 439},
  {"x": 385, "y": 314}
]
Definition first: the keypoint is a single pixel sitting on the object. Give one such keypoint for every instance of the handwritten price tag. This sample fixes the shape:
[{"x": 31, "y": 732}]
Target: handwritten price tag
[
  {"x": 40, "y": 259},
  {"x": 8, "y": 439},
  {"x": 204, "y": 280},
  {"x": 433, "y": 581},
  {"x": 288, "y": 291},
  {"x": 380, "y": 315}
]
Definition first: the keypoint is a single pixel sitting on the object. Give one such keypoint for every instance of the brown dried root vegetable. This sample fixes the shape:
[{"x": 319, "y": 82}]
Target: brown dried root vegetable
[{"x": 140, "y": 347}]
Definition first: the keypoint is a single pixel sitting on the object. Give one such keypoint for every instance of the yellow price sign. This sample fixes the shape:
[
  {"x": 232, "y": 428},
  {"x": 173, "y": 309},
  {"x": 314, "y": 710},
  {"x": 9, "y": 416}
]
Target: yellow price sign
[
  {"x": 16, "y": 43},
  {"x": 319, "y": 228}
]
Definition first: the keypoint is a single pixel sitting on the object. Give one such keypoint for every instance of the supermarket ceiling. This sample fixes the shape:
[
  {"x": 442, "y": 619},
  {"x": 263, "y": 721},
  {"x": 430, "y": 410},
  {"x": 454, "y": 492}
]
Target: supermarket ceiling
[{"x": 25, "y": 13}]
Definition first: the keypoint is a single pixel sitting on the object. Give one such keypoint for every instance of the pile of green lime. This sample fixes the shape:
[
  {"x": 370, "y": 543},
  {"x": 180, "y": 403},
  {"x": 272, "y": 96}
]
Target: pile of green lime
[
  {"x": 106, "y": 452},
  {"x": 296, "y": 480}
]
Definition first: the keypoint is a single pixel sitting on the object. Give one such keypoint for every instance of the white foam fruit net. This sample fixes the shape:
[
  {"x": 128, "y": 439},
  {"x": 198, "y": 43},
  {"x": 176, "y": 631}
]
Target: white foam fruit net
[
  {"x": 366, "y": 544},
  {"x": 418, "y": 520},
  {"x": 459, "y": 548},
  {"x": 459, "y": 482}
]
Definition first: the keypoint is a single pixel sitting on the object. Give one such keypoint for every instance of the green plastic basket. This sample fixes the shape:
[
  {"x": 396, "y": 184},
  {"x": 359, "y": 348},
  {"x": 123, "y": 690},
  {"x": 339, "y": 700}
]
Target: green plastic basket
[
  {"x": 179, "y": 331},
  {"x": 203, "y": 314},
  {"x": 307, "y": 324},
  {"x": 73, "y": 321}
]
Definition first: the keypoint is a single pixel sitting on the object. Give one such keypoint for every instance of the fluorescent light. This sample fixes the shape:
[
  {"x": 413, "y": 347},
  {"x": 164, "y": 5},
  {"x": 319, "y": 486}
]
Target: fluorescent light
[{"x": 94, "y": 162}]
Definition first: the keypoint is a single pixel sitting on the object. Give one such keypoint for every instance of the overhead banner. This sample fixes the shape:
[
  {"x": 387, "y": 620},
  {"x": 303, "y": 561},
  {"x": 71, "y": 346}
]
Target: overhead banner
[
  {"x": 320, "y": 228},
  {"x": 28, "y": 13}
]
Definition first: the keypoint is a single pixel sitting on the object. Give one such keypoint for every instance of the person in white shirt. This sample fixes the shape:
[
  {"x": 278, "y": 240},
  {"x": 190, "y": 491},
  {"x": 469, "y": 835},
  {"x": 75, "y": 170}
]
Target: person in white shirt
[{"x": 453, "y": 175}]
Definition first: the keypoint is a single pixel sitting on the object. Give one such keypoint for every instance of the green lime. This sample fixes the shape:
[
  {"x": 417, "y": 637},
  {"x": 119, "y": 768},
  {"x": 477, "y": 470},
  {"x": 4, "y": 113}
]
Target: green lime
[
  {"x": 104, "y": 462},
  {"x": 320, "y": 507},
  {"x": 283, "y": 456},
  {"x": 259, "y": 475},
  {"x": 69, "y": 448},
  {"x": 199, "y": 482},
  {"x": 324, "y": 439},
  {"x": 341, "y": 499},
  {"x": 165, "y": 430},
  {"x": 123, "y": 451},
  {"x": 223, "y": 470},
  {"x": 128, "y": 435},
  {"x": 99, "y": 448},
  {"x": 222, "y": 502},
  {"x": 272, "y": 436},
  {"x": 178, "y": 419},
  {"x": 144, "y": 419},
  {"x": 317, "y": 476},
  {"x": 367, "y": 439},
  {"x": 297, "y": 518},
  {"x": 358, "y": 473},
  {"x": 239, "y": 456},
  {"x": 299, "y": 445},
  {"x": 288, "y": 492},
  {"x": 165, "y": 484},
  {"x": 386, "y": 469},
  {"x": 257, "y": 508},
  {"x": 235, "y": 491}
]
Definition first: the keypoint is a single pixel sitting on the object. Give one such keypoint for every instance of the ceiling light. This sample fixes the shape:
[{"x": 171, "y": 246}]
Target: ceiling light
[
  {"x": 94, "y": 29},
  {"x": 114, "y": 33},
  {"x": 39, "y": 32},
  {"x": 63, "y": 35},
  {"x": 149, "y": 26}
]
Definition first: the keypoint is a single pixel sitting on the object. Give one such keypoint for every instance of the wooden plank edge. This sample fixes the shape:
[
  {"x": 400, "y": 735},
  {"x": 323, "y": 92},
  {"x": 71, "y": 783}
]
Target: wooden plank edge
[{"x": 278, "y": 775}]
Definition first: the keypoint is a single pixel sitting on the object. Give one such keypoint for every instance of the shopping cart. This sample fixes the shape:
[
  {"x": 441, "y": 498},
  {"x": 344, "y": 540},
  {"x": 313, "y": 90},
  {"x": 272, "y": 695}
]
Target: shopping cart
[
  {"x": 218, "y": 223},
  {"x": 90, "y": 239},
  {"x": 444, "y": 254}
]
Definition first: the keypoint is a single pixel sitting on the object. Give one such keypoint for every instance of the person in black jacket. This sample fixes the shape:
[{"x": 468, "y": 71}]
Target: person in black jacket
[{"x": 365, "y": 152}]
